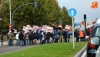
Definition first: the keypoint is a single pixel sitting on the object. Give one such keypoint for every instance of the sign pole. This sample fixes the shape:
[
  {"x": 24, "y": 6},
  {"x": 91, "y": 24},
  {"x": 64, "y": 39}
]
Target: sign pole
[
  {"x": 72, "y": 12},
  {"x": 73, "y": 31}
]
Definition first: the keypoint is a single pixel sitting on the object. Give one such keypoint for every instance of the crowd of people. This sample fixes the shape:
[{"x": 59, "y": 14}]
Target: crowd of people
[{"x": 42, "y": 36}]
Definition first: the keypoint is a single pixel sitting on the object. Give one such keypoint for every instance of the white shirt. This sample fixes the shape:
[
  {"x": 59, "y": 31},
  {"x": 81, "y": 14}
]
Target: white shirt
[{"x": 17, "y": 36}]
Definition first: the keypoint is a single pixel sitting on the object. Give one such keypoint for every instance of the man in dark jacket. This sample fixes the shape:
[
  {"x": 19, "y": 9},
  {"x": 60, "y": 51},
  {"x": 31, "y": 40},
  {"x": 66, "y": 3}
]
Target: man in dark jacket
[
  {"x": 65, "y": 35},
  {"x": 31, "y": 36},
  {"x": 48, "y": 37},
  {"x": 1, "y": 38},
  {"x": 21, "y": 38}
]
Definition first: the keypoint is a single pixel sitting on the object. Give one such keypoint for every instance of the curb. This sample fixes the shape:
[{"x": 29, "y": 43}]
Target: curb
[{"x": 81, "y": 51}]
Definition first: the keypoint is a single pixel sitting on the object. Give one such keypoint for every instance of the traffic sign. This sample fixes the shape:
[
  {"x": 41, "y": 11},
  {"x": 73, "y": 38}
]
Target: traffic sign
[
  {"x": 94, "y": 5},
  {"x": 72, "y": 12}
]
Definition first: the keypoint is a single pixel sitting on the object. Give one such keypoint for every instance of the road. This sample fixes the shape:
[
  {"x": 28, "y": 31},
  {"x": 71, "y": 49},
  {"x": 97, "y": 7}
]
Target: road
[{"x": 7, "y": 49}]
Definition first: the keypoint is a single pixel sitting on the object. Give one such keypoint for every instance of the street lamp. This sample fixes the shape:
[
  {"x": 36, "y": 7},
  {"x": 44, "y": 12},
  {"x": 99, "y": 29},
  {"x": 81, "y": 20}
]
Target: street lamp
[
  {"x": 35, "y": 5},
  {"x": 0, "y": 25},
  {"x": 10, "y": 9}
]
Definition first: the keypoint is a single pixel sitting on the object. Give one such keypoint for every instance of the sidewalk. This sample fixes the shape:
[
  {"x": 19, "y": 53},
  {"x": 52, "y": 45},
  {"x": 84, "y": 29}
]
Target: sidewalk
[
  {"x": 8, "y": 49},
  {"x": 5, "y": 43}
]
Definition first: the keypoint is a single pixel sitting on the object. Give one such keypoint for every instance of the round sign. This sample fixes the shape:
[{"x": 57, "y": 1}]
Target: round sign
[{"x": 72, "y": 12}]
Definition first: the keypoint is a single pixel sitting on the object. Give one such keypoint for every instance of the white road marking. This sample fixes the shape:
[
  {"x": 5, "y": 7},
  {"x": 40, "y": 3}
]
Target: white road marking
[{"x": 84, "y": 54}]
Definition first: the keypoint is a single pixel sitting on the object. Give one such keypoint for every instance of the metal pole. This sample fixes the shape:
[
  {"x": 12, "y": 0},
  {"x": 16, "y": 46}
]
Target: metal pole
[
  {"x": 73, "y": 32},
  {"x": 10, "y": 9},
  {"x": 18, "y": 8}
]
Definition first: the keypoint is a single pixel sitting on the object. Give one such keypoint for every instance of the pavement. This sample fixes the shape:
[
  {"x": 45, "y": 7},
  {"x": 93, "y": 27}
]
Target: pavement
[{"x": 7, "y": 49}]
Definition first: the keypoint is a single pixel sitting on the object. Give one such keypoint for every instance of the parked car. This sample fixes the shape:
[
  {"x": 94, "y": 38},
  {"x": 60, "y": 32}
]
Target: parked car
[{"x": 93, "y": 41}]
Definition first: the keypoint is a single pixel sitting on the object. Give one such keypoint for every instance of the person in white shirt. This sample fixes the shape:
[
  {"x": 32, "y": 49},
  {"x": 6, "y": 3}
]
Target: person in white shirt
[{"x": 17, "y": 38}]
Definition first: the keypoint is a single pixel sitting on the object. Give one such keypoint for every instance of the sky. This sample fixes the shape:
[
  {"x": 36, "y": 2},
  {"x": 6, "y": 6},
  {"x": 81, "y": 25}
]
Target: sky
[{"x": 82, "y": 7}]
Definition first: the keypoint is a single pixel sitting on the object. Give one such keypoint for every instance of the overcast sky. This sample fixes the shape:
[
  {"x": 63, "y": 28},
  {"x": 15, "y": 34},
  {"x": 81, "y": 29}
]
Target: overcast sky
[{"x": 82, "y": 7}]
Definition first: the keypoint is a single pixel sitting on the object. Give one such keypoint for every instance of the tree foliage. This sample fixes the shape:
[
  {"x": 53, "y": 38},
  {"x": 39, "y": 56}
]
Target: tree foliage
[{"x": 47, "y": 11}]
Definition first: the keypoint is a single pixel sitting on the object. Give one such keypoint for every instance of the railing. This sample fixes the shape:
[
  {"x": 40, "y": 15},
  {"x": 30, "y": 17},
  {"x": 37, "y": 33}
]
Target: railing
[
  {"x": 98, "y": 52},
  {"x": 81, "y": 52}
]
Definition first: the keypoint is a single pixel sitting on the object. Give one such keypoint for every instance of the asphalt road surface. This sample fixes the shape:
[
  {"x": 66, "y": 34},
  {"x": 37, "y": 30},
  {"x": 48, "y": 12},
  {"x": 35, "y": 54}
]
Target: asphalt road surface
[{"x": 8, "y": 49}]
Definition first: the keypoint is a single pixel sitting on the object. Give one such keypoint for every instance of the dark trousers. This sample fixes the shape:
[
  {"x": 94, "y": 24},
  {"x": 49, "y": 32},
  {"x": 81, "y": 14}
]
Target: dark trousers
[
  {"x": 65, "y": 39},
  {"x": 1, "y": 42},
  {"x": 56, "y": 40},
  {"x": 43, "y": 41},
  {"x": 30, "y": 42},
  {"x": 77, "y": 39},
  {"x": 24, "y": 42},
  {"x": 48, "y": 40}
]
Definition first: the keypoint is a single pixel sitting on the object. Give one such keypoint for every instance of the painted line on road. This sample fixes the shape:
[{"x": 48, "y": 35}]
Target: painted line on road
[
  {"x": 19, "y": 49},
  {"x": 84, "y": 54}
]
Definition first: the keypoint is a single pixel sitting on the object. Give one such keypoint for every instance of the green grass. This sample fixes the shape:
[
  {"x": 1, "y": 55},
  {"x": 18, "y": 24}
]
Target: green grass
[{"x": 49, "y": 50}]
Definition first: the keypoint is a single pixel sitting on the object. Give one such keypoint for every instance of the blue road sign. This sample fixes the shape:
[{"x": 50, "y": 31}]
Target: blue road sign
[{"x": 72, "y": 12}]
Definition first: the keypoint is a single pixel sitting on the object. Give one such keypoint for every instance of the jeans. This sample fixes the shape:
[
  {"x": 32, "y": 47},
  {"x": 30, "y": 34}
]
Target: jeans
[
  {"x": 21, "y": 43},
  {"x": 17, "y": 41},
  {"x": 27, "y": 41},
  {"x": 65, "y": 39},
  {"x": 10, "y": 42}
]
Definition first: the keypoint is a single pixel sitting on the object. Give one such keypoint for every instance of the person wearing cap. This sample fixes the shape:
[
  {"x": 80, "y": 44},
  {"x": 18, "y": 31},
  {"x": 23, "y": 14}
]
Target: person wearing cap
[{"x": 11, "y": 37}]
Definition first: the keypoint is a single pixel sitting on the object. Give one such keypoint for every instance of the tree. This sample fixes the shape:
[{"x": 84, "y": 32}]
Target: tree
[
  {"x": 47, "y": 11},
  {"x": 66, "y": 19}
]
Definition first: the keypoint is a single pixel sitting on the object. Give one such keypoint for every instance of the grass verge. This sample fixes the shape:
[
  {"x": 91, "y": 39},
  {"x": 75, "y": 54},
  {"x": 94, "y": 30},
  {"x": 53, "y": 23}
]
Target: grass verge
[{"x": 49, "y": 50}]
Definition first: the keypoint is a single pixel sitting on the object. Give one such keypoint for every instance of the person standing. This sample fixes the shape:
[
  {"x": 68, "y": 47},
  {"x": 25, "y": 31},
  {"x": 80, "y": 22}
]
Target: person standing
[
  {"x": 40, "y": 36},
  {"x": 11, "y": 37},
  {"x": 76, "y": 35},
  {"x": 31, "y": 37},
  {"x": 48, "y": 37},
  {"x": 21, "y": 38},
  {"x": 56, "y": 36},
  {"x": 68, "y": 35},
  {"x": 65, "y": 35},
  {"x": 17, "y": 39},
  {"x": 27, "y": 38},
  {"x": 1, "y": 38},
  {"x": 61, "y": 33},
  {"x": 81, "y": 35}
]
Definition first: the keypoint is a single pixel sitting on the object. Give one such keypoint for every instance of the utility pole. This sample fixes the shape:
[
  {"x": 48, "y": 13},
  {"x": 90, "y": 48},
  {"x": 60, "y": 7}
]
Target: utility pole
[
  {"x": 85, "y": 23},
  {"x": 10, "y": 10}
]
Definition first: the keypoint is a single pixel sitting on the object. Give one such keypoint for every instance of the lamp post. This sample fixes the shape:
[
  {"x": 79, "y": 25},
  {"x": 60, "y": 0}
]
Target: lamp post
[
  {"x": 10, "y": 9},
  {"x": 35, "y": 5},
  {"x": 0, "y": 22}
]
